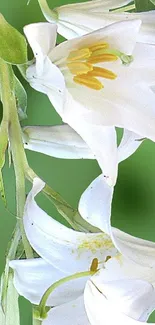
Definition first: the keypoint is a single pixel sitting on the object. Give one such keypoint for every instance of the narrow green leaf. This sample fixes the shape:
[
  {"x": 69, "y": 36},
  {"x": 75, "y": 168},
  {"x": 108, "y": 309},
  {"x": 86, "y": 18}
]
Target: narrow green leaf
[
  {"x": 3, "y": 147},
  {"x": 12, "y": 308},
  {"x": 144, "y": 5},
  {"x": 2, "y": 317},
  {"x": 13, "y": 46},
  {"x": 2, "y": 190},
  {"x": 21, "y": 98}
]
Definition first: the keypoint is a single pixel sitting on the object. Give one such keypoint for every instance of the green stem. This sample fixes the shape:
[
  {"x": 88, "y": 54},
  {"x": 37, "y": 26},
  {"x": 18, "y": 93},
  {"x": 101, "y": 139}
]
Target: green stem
[
  {"x": 37, "y": 321},
  {"x": 42, "y": 305},
  {"x": 123, "y": 9},
  {"x": 17, "y": 149},
  {"x": 49, "y": 14},
  {"x": 12, "y": 248}
]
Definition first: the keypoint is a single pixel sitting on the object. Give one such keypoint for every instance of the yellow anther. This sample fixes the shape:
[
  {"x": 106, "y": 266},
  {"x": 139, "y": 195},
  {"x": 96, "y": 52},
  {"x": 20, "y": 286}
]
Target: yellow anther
[
  {"x": 88, "y": 81},
  {"x": 98, "y": 46},
  {"x": 103, "y": 73},
  {"x": 94, "y": 265},
  {"x": 102, "y": 58},
  {"x": 79, "y": 67},
  {"x": 79, "y": 55}
]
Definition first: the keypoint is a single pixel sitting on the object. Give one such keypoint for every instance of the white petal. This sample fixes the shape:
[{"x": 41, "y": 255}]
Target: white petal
[
  {"x": 123, "y": 105},
  {"x": 95, "y": 207},
  {"x": 126, "y": 269},
  {"x": 81, "y": 18},
  {"x": 66, "y": 249},
  {"x": 114, "y": 35},
  {"x": 34, "y": 276},
  {"x": 68, "y": 314},
  {"x": 57, "y": 141},
  {"x": 42, "y": 38},
  {"x": 48, "y": 80},
  {"x": 133, "y": 297},
  {"x": 95, "y": 6},
  {"x": 101, "y": 310},
  {"x": 130, "y": 142},
  {"x": 136, "y": 249},
  {"x": 95, "y": 204}
]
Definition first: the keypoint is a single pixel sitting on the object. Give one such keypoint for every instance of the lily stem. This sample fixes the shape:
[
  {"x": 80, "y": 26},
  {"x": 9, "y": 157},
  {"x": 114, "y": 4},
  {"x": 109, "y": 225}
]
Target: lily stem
[{"x": 16, "y": 144}]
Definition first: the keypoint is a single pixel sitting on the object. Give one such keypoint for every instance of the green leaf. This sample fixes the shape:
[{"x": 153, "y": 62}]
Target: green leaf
[
  {"x": 13, "y": 46},
  {"x": 3, "y": 147},
  {"x": 12, "y": 308},
  {"x": 144, "y": 5},
  {"x": 2, "y": 190},
  {"x": 21, "y": 99}
]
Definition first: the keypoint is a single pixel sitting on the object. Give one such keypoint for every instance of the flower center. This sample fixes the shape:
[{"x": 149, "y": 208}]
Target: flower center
[{"x": 81, "y": 64}]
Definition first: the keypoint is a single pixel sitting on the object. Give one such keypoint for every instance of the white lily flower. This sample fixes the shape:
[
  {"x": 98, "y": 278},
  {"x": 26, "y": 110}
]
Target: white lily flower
[
  {"x": 61, "y": 141},
  {"x": 78, "y": 19},
  {"x": 64, "y": 251},
  {"x": 74, "y": 73}
]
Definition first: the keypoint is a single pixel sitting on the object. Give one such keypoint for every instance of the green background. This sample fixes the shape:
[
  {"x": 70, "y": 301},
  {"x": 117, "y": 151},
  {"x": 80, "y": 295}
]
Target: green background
[{"x": 134, "y": 199}]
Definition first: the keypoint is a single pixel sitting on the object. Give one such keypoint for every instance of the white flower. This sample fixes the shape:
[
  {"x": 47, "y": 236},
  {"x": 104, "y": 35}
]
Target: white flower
[
  {"x": 61, "y": 141},
  {"x": 78, "y": 19},
  {"x": 74, "y": 73},
  {"x": 64, "y": 251}
]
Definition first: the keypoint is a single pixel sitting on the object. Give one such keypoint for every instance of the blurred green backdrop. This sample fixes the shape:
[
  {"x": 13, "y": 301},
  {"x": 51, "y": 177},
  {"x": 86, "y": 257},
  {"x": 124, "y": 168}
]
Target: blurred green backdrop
[{"x": 134, "y": 199}]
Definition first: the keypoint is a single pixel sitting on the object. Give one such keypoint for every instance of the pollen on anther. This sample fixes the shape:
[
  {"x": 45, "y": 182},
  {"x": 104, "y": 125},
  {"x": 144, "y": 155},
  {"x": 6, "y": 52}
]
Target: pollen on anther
[
  {"x": 88, "y": 81},
  {"x": 81, "y": 54},
  {"x": 102, "y": 58},
  {"x": 98, "y": 46},
  {"x": 103, "y": 73},
  {"x": 77, "y": 68}
]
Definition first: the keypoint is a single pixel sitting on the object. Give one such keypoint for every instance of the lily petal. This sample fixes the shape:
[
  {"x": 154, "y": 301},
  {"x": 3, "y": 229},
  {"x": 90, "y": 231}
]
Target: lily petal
[
  {"x": 118, "y": 301},
  {"x": 40, "y": 44},
  {"x": 68, "y": 314},
  {"x": 66, "y": 249},
  {"x": 95, "y": 204},
  {"x": 59, "y": 141},
  {"x": 114, "y": 35},
  {"x": 133, "y": 297},
  {"x": 101, "y": 140},
  {"x": 130, "y": 142},
  {"x": 77, "y": 21},
  {"x": 98, "y": 199},
  {"x": 34, "y": 276},
  {"x": 132, "y": 110}
]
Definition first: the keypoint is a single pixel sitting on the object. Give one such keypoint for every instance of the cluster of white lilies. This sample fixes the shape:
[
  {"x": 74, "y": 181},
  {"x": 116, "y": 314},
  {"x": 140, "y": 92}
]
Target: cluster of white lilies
[{"x": 101, "y": 78}]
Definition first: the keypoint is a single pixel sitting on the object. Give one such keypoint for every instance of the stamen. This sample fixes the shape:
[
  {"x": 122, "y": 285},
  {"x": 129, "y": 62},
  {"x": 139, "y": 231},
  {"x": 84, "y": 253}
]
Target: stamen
[
  {"x": 98, "y": 46},
  {"x": 88, "y": 81},
  {"x": 102, "y": 58},
  {"x": 79, "y": 67},
  {"x": 103, "y": 73},
  {"x": 79, "y": 55}
]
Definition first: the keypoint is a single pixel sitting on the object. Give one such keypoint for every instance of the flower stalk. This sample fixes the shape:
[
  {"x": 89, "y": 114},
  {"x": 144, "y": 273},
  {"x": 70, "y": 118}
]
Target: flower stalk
[
  {"x": 16, "y": 144},
  {"x": 49, "y": 14}
]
